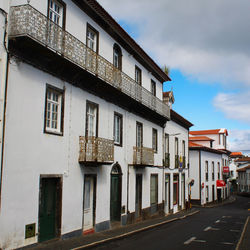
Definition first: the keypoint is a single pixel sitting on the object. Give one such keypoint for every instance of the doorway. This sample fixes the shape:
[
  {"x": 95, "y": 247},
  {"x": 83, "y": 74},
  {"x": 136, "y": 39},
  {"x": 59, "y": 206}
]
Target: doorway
[
  {"x": 183, "y": 191},
  {"x": 167, "y": 194},
  {"x": 213, "y": 192},
  {"x": 50, "y": 204},
  {"x": 115, "y": 193},
  {"x": 138, "y": 196},
  {"x": 89, "y": 203}
]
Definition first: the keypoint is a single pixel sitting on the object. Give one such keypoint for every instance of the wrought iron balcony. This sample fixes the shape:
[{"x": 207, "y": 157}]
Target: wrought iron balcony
[
  {"x": 96, "y": 150},
  {"x": 143, "y": 156},
  {"x": 27, "y": 21}
]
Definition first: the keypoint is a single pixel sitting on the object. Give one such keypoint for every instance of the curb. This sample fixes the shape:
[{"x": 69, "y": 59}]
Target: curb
[
  {"x": 215, "y": 205},
  {"x": 133, "y": 232},
  {"x": 242, "y": 234}
]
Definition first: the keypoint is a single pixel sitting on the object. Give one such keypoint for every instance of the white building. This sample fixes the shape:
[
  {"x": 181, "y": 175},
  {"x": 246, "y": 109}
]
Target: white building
[
  {"x": 83, "y": 124},
  {"x": 208, "y": 165},
  {"x": 233, "y": 165},
  {"x": 244, "y": 179}
]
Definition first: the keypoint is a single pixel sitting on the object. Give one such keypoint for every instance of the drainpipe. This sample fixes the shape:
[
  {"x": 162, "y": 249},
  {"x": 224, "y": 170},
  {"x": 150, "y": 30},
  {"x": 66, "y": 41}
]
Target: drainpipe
[
  {"x": 200, "y": 173},
  {"x": 3, "y": 92}
]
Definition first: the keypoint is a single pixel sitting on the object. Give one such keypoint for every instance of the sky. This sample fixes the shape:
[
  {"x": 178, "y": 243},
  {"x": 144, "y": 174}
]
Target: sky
[{"x": 206, "y": 46}]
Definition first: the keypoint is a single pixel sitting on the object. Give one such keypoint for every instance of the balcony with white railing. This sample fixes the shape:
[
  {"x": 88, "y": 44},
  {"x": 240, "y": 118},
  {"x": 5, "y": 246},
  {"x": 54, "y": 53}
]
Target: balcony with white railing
[{"x": 25, "y": 21}]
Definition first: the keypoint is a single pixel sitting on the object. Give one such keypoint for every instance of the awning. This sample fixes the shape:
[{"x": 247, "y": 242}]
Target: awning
[{"x": 220, "y": 183}]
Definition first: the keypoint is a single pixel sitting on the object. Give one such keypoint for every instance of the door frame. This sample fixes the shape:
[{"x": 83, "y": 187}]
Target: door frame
[
  {"x": 168, "y": 194},
  {"x": 94, "y": 176},
  {"x": 119, "y": 174},
  {"x": 140, "y": 198},
  {"x": 59, "y": 187}
]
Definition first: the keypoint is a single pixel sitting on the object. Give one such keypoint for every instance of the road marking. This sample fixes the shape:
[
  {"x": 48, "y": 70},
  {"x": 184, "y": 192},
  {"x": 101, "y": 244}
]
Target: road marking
[
  {"x": 227, "y": 216},
  {"x": 234, "y": 230},
  {"x": 207, "y": 228},
  {"x": 217, "y": 221},
  {"x": 215, "y": 229},
  {"x": 227, "y": 243},
  {"x": 189, "y": 241},
  {"x": 202, "y": 241},
  {"x": 222, "y": 221}
]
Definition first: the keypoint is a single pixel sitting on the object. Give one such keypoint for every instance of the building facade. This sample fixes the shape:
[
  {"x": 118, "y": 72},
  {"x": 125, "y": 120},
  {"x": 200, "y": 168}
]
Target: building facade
[
  {"x": 208, "y": 165},
  {"x": 84, "y": 127}
]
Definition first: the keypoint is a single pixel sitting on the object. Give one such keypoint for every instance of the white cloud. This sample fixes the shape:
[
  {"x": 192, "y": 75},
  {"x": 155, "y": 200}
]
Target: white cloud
[
  {"x": 234, "y": 105},
  {"x": 239, "y": 140},
  {"x": 208, "y": 40}
]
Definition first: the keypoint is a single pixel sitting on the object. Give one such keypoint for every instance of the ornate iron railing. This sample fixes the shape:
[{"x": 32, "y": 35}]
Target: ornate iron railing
[
  {"x": 27, "y": 21},
  {"x": 96, "y": 149},
  {"x": 143, "y": 156}
]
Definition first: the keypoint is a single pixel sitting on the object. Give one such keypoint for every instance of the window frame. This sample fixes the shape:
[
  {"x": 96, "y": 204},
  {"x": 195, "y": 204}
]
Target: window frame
[
  {"x": 118, "y": 51},
  {"x": 95, "y": 105},
  {"x": 154, "y": 140},
  {"x": 138, "y": 81},
  {"x": 60, "y": 2},
  {"x": 116, "y": 114},
  {"x": 213, "y": 170},
  {"x": 176, "y": 146},
  {"x": 90, "y": 27},
  {"x": 176, "y": 182},
  {"x": 61, "y": 92},
  {"x": 139, "y": 124},
  {"x": 206, "y": 171},
  {"x": 156, "y": 189},
  {"x": 166, "y": 143},
  {"x": 153, "y": 87}
]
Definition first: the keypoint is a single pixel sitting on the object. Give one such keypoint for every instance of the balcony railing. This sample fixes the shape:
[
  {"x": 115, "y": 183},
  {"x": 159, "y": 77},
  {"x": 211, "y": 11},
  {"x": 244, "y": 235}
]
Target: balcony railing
[
  {"x": 96, "y": 149},
  {"x": 27, "y": 21},
  {"x": 143, "y": 156}
]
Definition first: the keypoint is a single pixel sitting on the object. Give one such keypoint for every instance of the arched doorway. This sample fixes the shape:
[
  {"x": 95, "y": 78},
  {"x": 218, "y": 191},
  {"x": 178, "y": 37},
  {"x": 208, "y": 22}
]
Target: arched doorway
[{"x": 115, "y": 193}]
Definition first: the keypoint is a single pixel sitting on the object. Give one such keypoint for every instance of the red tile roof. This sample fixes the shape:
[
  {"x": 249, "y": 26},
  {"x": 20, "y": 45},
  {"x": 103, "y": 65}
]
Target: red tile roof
[
  {"x": 236, "y": 154},
  {"x": 208, "y": 132},
  {"x": 200, "y": 138},
  {"x": 192, "y": 144},
  {"x": 243, "y": 159},
  {"x": 243, "y": 169}
]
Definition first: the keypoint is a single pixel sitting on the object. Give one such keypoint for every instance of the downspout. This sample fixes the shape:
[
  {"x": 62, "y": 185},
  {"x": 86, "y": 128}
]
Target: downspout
[{"x": 4, "y": 13}]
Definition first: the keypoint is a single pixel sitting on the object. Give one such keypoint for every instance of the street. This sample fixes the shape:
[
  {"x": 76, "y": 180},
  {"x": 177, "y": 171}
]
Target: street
[{"x": 212, "y": 228}]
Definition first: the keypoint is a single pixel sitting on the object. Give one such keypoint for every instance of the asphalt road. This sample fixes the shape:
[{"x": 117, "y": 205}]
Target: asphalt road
[{"x": 212, "y": 228}]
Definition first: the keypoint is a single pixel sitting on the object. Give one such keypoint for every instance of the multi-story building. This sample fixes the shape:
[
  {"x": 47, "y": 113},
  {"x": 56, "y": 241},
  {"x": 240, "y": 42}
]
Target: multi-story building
[
  {"x": 208, "y": 165},
  {"x": 176, "y": 160},
  {"x": 244, "y": 180},
  {"x": 83, "y": 123}
]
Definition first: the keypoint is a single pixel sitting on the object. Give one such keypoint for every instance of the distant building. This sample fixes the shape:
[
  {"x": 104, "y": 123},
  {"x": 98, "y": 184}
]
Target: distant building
[
  {"x": 244, "y": 179},
  {"x": 232, "y": 165},
  {"x": 208, "y": 165}
]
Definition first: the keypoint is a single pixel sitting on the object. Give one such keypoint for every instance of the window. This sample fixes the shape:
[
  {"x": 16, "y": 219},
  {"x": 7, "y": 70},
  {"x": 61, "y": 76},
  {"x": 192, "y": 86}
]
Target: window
[
  {"x": 139, "y": 135},
  {"x": 117, "y": 56},
  {"x": 183, "y": 148},
  {"x": 166, "y": 144},
  {"x": 166, "y": 151},
  {"x": 153, "y": 88},
  {"x": 212, "y": 171},
  {"x": 206, "y": 170},
  {"x": 56, "y": 12},
  {"x": 54, "y": 110},
  {"x": 137, "y": 75},
  {"x": 211, "y": 144},
  {"x": 118, "y": 129},
  {"x": 175, "y": 189},
  {"x": 91, "y": 119},
  {"x": 154, "y": 140},
  {"x": 218, "y": 171},
  {"x": 92, "y": 38},
  {"x": 176, "y": 153},
  {"x": 154, "y": 189}
]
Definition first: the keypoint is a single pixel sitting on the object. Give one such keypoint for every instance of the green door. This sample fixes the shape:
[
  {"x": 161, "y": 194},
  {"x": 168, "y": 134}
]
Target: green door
[
  {"x": 138, "y": 196},
  {"x": 115, "y": 200},
  {"x": 47, "y": 209}
]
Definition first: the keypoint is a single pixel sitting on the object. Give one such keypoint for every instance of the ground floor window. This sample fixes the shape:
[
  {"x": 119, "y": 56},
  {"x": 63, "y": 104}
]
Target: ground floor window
[
  {"x": 175, "y": 189},
  {"x": 207, "y": 193}
]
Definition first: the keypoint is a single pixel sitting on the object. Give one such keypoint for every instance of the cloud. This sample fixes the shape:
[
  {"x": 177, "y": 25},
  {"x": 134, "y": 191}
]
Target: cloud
[
  {"x": 239, "y": 140},
  {"x": 207, "y": 40},
  {"x": 235, "y": 106}
]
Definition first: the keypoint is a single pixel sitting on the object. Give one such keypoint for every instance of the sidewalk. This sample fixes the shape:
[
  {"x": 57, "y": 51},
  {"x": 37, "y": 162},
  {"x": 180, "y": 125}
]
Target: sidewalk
[
  {"x": 229, "y": 200},
  {"x": 87, "y": 241}
]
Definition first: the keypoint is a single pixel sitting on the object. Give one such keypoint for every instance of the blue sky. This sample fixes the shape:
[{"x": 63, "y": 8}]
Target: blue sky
[{"x": 208, "y": 53}]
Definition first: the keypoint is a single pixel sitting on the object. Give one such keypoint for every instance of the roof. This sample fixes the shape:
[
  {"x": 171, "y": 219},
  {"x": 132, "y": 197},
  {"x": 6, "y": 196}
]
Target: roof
[
  {"x": 180, "y": 119},
  {"x": 236, "y": 154},
  {"x": 243, "y": 159},
  {"x": 243, "y": 169},
  {"x": 195, "y": 146},
  {"x": 200, "y": 138},
  {"x": 209, "y": 132},
  {"x": 108, "y": 23}
]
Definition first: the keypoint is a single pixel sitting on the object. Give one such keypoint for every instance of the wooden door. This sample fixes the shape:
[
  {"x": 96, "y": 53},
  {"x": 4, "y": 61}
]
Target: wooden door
[
  {"x": 138, "y": 195},
  {"x": 167, "y": 194},
  {"x": 115, "y": 198},
  {"x": 47, "y": 209},
  {"x": 88, "y": 204}
]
